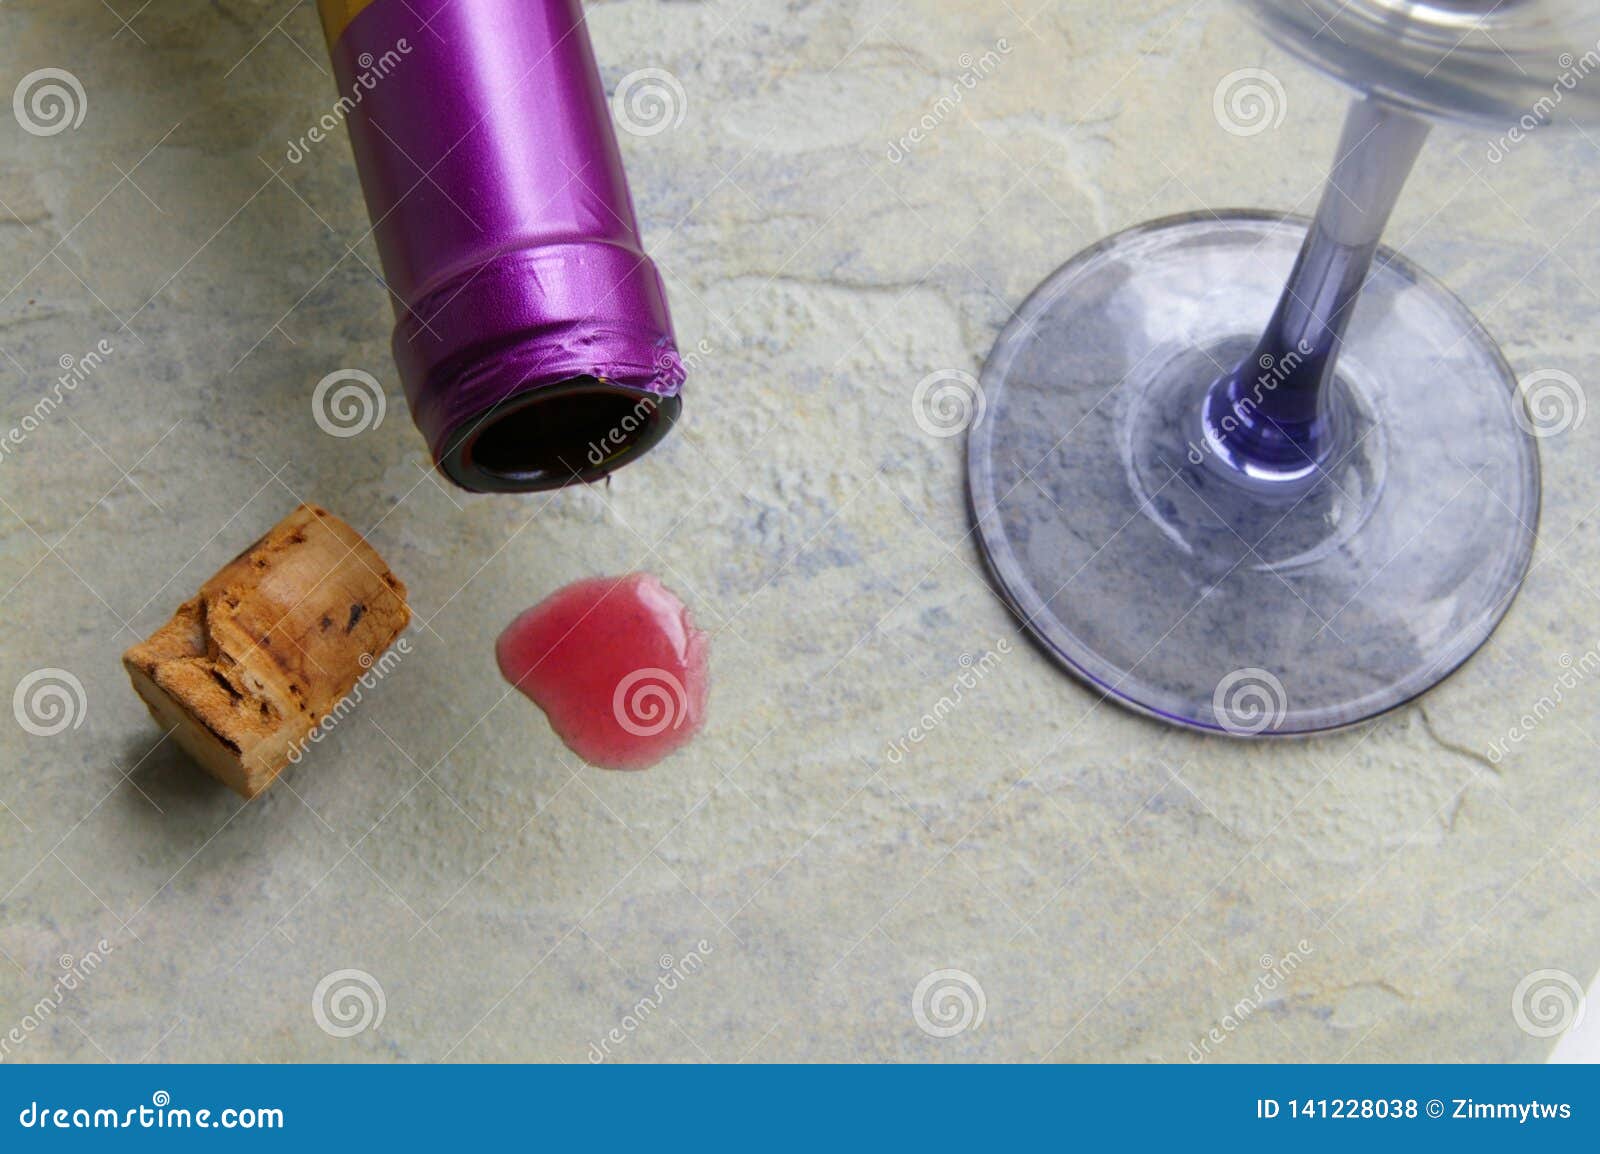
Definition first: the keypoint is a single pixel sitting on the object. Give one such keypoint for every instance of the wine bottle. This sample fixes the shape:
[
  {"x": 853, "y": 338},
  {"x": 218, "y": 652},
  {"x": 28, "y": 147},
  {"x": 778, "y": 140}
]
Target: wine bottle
[{"x": 532, "y": 333}]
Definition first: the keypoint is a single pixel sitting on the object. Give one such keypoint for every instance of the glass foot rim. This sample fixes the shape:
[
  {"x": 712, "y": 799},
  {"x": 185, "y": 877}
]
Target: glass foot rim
[{"x": 996, "y": 551}]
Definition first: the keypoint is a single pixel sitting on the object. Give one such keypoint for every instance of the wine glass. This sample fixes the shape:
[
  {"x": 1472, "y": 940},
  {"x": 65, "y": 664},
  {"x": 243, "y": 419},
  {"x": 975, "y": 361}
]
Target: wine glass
[{"x": 1224, "y": 493}]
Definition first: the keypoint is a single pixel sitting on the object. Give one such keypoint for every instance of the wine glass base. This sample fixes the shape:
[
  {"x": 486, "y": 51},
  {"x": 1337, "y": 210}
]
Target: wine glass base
[{"x": 1139, "y": 560}]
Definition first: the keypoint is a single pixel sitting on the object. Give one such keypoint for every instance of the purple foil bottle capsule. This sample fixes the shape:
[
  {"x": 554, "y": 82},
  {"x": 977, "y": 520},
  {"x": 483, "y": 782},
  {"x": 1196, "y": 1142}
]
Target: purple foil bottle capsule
[{"x": 531, "y": 332}]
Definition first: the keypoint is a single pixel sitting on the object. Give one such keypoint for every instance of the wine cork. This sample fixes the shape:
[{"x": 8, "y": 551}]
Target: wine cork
[{"x": 248, "y": 666}]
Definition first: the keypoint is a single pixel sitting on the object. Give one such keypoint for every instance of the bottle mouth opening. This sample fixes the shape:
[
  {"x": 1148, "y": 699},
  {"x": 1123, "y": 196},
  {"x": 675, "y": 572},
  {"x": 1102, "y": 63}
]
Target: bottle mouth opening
[{"x": 556, "y": 435}]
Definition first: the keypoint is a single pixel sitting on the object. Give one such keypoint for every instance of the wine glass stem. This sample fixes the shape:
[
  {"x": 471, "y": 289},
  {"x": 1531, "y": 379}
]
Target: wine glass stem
[{"x": 1273, "y": 415}]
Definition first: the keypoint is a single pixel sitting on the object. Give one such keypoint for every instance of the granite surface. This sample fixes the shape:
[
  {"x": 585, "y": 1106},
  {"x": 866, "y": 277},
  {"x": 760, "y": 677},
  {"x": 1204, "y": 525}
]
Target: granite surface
[{"x": 1040, "y": 876}]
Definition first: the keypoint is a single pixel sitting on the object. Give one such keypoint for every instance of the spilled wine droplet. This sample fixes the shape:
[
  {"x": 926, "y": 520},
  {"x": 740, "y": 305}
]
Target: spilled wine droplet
[{"x": 617, "y": 666}]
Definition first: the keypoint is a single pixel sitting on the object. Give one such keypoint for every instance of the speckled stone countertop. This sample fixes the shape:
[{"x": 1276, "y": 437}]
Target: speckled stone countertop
[{"x": 442, "y": 880}]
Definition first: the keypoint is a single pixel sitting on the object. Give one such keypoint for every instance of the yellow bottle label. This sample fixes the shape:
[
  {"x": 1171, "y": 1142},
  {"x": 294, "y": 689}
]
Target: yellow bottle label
[{"x": 336, "y": 16}]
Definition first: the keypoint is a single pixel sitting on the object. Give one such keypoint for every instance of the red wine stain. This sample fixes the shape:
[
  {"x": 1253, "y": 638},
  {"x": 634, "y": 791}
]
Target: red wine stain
[{"x": 617, "y": 666}]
